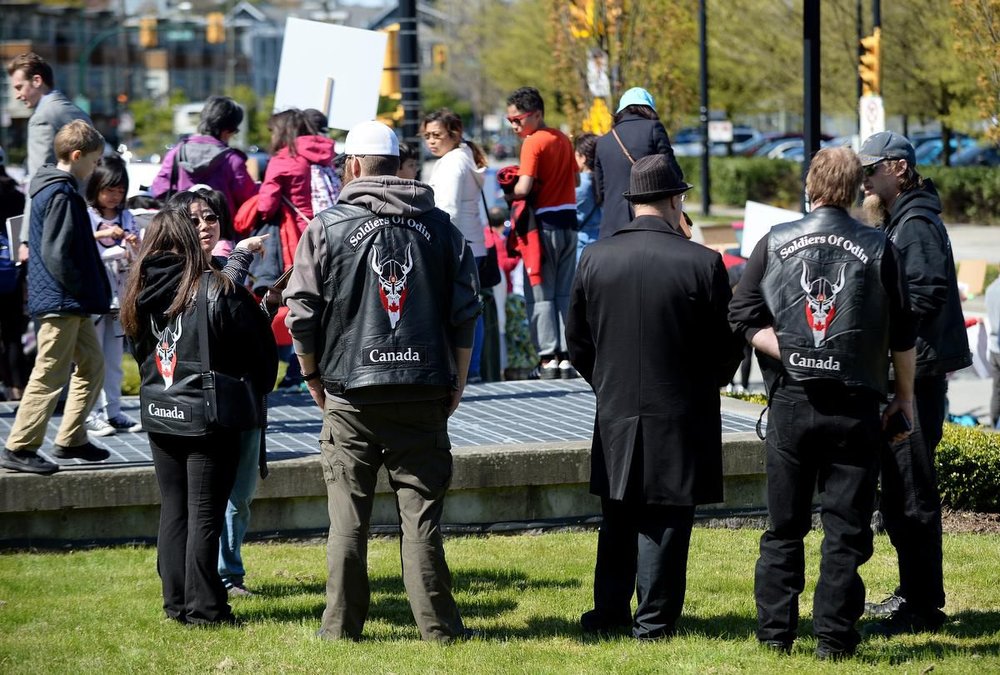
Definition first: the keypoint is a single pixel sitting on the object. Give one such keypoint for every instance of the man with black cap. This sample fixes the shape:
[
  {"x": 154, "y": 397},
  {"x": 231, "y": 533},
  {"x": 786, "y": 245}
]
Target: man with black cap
[
  {"x": 907, "y": 209},
  {"x": 382, "y": 304},
  {"x": 813, "y": 301},
  {"x": 647, "y": 329}
]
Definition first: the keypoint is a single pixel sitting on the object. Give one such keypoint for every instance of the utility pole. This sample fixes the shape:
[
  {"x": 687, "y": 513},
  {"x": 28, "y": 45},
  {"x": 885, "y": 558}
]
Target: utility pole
[
  {"x": 409, "y": 71},
  {"x": 811, "y": 93},
  {"x": 706, "y": 196},
  {"x": 861, "y": 52}
]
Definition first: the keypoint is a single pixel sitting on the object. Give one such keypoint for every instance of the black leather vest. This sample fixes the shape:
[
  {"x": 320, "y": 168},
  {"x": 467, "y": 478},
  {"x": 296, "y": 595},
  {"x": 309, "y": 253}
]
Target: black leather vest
[
  {"x": 823, "y": 287},
  {"x": 388, "y": 290},
  {"x": 171, "y": 396}
]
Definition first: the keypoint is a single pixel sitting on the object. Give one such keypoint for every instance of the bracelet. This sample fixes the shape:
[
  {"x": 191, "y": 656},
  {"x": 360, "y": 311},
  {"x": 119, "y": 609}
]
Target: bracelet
[{"x": 312, "y": 376}]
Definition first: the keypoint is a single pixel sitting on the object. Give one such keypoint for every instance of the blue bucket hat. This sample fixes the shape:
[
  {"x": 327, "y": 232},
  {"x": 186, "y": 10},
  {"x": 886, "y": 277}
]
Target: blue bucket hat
[{"x": 636, "y": 96}]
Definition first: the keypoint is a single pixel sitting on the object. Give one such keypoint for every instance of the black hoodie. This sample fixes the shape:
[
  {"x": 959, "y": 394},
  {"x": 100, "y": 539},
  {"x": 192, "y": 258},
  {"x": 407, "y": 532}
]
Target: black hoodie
[
  {"x": 240, "y": 338},
  {"x": 915, "y": 227}
]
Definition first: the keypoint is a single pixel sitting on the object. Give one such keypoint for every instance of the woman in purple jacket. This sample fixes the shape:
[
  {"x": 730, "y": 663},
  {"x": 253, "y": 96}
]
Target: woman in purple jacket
[{"x": 206, "y": 157}]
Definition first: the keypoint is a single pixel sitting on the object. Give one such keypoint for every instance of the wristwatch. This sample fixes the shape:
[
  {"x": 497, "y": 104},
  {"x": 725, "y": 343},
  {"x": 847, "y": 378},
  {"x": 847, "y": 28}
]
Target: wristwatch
[{"x": 312, "y": 376}]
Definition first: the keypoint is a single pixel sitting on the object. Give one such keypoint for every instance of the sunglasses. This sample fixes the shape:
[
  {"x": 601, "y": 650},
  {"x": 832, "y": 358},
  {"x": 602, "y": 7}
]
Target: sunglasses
[
  {"x": 872, "y": 168},
  {"x": 205, "y": 218},
  {"x": 518, "y": 119}
]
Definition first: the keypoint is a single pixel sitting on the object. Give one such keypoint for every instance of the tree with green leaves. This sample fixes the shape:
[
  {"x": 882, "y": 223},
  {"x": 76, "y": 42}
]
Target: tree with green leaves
[{"x": 976, "y": 24}]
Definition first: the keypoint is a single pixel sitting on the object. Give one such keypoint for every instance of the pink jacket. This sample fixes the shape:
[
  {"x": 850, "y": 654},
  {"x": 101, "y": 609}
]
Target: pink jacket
[{"x": 291, "y": 176}]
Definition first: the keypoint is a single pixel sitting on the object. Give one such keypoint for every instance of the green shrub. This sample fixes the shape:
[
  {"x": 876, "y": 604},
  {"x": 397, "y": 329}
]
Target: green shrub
[
  {"x": 968, "y": 467},
  {"x": 969, "y": 194},
  {"x": 738, "y": 179}
]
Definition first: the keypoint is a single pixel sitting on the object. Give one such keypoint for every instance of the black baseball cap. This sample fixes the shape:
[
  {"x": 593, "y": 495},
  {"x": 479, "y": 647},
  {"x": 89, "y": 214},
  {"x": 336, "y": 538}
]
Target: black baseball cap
[{"x": 886, "y": 145}]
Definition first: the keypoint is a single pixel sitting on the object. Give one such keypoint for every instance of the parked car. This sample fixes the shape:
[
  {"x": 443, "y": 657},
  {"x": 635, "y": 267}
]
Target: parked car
[
  {"x": 687, "y": 142},
  {"x": 930, "y": 152},
  {"x": 977, "y": 155}
]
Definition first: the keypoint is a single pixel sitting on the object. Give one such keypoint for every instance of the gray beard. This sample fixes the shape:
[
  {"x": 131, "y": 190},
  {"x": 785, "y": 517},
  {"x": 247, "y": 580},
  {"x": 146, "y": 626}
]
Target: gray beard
[{"x": 875, "y": 211}]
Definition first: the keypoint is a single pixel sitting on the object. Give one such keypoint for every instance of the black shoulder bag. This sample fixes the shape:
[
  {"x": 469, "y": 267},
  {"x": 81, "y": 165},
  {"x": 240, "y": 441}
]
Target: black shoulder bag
[
  {"x": 489, "y": 265},
  {"x": 230, "y": 402}
]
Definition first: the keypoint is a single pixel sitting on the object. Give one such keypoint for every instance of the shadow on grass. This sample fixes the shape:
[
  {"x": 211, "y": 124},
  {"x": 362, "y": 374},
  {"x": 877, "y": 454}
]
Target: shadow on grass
[{"x": 390, "y": 603}]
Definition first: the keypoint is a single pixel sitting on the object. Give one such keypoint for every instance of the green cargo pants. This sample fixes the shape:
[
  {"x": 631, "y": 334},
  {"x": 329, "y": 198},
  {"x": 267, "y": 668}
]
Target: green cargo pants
[{"x": 411, "y": 440}]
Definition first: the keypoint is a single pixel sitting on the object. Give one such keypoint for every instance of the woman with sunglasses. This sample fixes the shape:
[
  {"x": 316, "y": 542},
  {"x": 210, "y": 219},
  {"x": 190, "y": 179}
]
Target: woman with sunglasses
[
  {"x": 195, "y": 468},
  {"x": 204, "y": 207},
  {"x": 457, "y": 180}
]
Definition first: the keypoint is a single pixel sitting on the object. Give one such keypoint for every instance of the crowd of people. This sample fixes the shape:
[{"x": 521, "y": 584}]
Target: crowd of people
[{"x": 388, "y": 296}]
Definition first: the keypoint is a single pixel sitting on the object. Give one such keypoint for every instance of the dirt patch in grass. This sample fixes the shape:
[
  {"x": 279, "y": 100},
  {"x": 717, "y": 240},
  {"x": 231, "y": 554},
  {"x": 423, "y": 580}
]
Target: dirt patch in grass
[{"x": 957, "y": 522}]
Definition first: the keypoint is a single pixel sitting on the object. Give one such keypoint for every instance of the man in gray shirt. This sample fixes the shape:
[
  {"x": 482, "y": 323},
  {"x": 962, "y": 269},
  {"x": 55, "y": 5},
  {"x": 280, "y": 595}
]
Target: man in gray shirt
[{"x": 34, "y": 85}]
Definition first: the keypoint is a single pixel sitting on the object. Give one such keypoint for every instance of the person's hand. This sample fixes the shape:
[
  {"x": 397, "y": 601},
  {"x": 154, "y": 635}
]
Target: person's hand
[
  {"x": 898, "y": 405},
  {"x": 456, "y": 398},
  {"x": 254, "y": 244},
  {"x": 272, "y": 301},
  {"x": 318, "y": 393},
  {"x": 22, "y": 253}
]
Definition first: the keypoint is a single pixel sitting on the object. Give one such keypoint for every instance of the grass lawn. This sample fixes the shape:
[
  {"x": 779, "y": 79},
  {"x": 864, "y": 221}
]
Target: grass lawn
[{"x": 99, "y": 611}]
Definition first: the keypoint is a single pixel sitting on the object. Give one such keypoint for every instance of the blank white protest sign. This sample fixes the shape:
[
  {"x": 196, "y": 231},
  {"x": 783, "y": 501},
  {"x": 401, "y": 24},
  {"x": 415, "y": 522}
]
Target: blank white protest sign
[{"x": 331, "y": 68}]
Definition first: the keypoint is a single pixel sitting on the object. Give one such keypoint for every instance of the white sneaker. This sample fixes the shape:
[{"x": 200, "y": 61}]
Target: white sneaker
[
  {"x": 98, "y": 427},
  {"x": 122, "y": 422},
  {"x": 566, "y": 370}
]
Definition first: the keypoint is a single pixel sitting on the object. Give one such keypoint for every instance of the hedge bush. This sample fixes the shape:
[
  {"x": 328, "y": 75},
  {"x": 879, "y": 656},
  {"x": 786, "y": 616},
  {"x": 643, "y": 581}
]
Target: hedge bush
[
  {"x": 968, "y": 194},
  {"x": 968, "y": 469},
  {"x": 738, "y": 179}
]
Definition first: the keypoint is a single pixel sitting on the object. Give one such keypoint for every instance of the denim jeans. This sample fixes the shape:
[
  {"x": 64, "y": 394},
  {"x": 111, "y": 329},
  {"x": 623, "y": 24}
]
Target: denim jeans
[
  {"x": 237, "y": 520},
  {"x": 831, "y": 442}
]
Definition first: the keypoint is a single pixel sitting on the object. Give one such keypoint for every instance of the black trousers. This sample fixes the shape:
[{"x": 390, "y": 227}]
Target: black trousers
[
  {"x": 195, "y": 476},
  {"x": 828, "y": 440},
  {"x": 642, "y": 549},
  {"x": 911, "y": 504}
]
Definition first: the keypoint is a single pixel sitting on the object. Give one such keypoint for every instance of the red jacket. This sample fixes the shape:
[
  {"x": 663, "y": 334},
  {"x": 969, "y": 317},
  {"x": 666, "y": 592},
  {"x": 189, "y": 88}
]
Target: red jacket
[
  {"x": 248, "y": 219},
  {"x": 292, "y": 177},
  {"x": 524, "y": 239}
]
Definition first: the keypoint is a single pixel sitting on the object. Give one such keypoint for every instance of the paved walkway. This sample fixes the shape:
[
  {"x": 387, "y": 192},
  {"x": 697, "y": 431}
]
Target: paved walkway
[{"x": 494, "y": 414}]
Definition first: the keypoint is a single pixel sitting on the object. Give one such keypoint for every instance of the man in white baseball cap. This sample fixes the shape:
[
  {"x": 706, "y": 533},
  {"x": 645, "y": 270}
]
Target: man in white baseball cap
[{"x": 382, "y": 304}]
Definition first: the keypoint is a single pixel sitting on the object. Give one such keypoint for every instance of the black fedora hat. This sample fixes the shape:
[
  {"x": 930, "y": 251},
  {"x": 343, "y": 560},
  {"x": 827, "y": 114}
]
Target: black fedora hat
[{"x": 653, "y": 178}]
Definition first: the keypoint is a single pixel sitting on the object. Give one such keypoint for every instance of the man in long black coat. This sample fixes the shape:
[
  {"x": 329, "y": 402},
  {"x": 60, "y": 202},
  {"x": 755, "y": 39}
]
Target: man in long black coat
[{"x": 648, "y": 330}]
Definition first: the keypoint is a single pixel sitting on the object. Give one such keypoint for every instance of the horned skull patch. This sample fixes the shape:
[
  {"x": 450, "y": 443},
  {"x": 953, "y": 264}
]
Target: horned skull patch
[
  {"x": 392, "y": 287},
  {"x": 166, "y": 350},
  {"x": 821, "y": 301}
]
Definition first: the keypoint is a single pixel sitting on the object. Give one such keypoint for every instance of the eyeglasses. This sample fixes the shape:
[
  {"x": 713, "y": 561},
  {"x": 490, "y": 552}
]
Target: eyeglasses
[
  {"x": 434, "y": 136},
  {"x": 518, "y": 119},
  {"x": 683, "y": 197},
  {"x": 872, "y": 168},
  {"x": 209, "y": 218}
]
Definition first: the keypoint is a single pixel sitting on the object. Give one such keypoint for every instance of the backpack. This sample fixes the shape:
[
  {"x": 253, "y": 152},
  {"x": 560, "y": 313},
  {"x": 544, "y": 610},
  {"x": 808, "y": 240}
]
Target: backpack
[{"x": 325, "y": 187}]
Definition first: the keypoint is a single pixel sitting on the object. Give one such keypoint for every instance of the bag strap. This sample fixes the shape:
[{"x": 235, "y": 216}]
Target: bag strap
[
  {"x": 297, "y": 210},
  {"x": 201, "y": 311},
  {"x": 622, "y": 146},
  {"x": 175, "y": 167}
]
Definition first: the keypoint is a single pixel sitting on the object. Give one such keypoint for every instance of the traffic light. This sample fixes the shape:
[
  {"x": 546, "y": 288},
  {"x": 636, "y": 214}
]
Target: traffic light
[
  {"x": 147, "y": 32},
  {"x": 215, "y": 28},
  {"x": 584, "y": 19},
  {"x": 439, "y": 52},
  {"x": 390, "y": 74},
  {"x": 870, "y": 66}
]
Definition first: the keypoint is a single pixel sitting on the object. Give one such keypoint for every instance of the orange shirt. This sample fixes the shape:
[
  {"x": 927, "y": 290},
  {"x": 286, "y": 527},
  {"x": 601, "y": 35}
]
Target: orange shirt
[{"x": 547, "y": 156}]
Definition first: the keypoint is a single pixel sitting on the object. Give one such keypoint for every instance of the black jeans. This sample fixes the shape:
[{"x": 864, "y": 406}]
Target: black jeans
[
  {"x": 195, "y": 476},
  {"x": 827, "y": 440},
  {"x": 911, "y": 504},
  {"x": 642, "y": 549}
]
